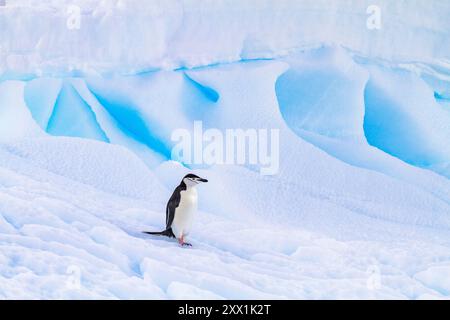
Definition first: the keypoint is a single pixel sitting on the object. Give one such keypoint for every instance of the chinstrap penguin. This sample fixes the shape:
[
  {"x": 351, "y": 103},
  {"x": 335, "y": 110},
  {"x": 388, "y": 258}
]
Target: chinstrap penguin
[{"x": 181, "y": 208}]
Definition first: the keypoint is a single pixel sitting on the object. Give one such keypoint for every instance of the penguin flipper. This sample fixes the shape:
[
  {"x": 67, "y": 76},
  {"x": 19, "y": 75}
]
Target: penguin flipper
[{"x": 172, "y": 204}]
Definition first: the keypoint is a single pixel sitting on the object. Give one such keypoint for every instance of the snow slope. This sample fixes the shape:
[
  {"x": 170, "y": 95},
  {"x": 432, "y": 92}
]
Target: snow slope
[{"x": 358, "y": 207}]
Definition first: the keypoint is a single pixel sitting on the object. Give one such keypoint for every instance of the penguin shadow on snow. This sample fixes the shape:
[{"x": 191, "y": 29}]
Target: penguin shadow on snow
[{"x": 181, "y": 209}]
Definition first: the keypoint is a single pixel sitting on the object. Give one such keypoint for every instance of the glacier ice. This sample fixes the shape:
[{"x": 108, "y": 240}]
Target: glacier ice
[
  {"x": 404, "y": 119},
  {"x": 72, "y": 116},
  {"x": 86, "y": 117},
  {"x": 16, "y": 121},
  {"x": 322, "y": 92}
]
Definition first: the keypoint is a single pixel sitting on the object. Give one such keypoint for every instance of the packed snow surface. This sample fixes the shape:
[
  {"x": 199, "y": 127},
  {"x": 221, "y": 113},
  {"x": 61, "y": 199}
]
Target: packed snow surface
[
  {"x": 81, "y": 238},
  {"x": 359, "y": 206}
]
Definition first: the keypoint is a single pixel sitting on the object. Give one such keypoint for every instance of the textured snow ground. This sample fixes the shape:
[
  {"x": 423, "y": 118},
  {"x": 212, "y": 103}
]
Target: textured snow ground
[{"x": 341, "y": 219}]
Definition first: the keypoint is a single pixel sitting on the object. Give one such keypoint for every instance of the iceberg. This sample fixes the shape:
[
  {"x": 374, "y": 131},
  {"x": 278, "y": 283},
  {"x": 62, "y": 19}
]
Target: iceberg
[{"x": 92, "y": 92}]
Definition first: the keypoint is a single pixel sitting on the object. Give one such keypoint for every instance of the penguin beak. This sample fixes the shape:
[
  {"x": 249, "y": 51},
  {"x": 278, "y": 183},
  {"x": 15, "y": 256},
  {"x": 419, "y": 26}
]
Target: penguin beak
[{"x": 202, "y": 180}]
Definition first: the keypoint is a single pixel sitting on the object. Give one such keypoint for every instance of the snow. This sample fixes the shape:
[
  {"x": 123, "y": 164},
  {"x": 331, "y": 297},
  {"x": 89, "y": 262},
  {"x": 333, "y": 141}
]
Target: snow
[
  {"x": 321, "y": 84},
  {"x": 15, "y": 119},
  {"x": 106, "y": 170},
  {"x": 359, "y": 207},
  {"x": 56, "y": 225},
  {"x": 436, "y": 277},
  {"x": 44, "y": 37},
  {"x": 52, "y": 225},
  {"x": 404, "y": 119}
]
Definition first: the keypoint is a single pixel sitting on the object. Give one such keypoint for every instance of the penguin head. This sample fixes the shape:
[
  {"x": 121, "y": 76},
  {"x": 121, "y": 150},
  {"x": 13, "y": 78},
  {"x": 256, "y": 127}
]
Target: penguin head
[{"x": 192, "y": 180}]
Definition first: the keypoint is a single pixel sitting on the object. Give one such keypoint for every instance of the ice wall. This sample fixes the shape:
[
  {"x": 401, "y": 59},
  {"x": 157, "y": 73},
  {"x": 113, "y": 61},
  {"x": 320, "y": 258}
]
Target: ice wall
[{"x": 128, "y": 36}]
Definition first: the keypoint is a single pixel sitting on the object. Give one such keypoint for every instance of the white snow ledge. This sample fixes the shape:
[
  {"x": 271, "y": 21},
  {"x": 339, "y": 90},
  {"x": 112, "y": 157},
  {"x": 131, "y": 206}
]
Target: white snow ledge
[{"x": 130, "y": 36}]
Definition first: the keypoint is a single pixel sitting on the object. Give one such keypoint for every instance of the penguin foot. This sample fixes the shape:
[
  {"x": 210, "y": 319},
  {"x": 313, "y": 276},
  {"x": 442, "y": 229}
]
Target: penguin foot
[{"x": 184, "y": 244}]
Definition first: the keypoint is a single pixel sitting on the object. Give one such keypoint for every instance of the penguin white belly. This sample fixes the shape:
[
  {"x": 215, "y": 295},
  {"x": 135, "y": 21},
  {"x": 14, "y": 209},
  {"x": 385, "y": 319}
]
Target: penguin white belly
[{"x": 184, "y": 213}]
